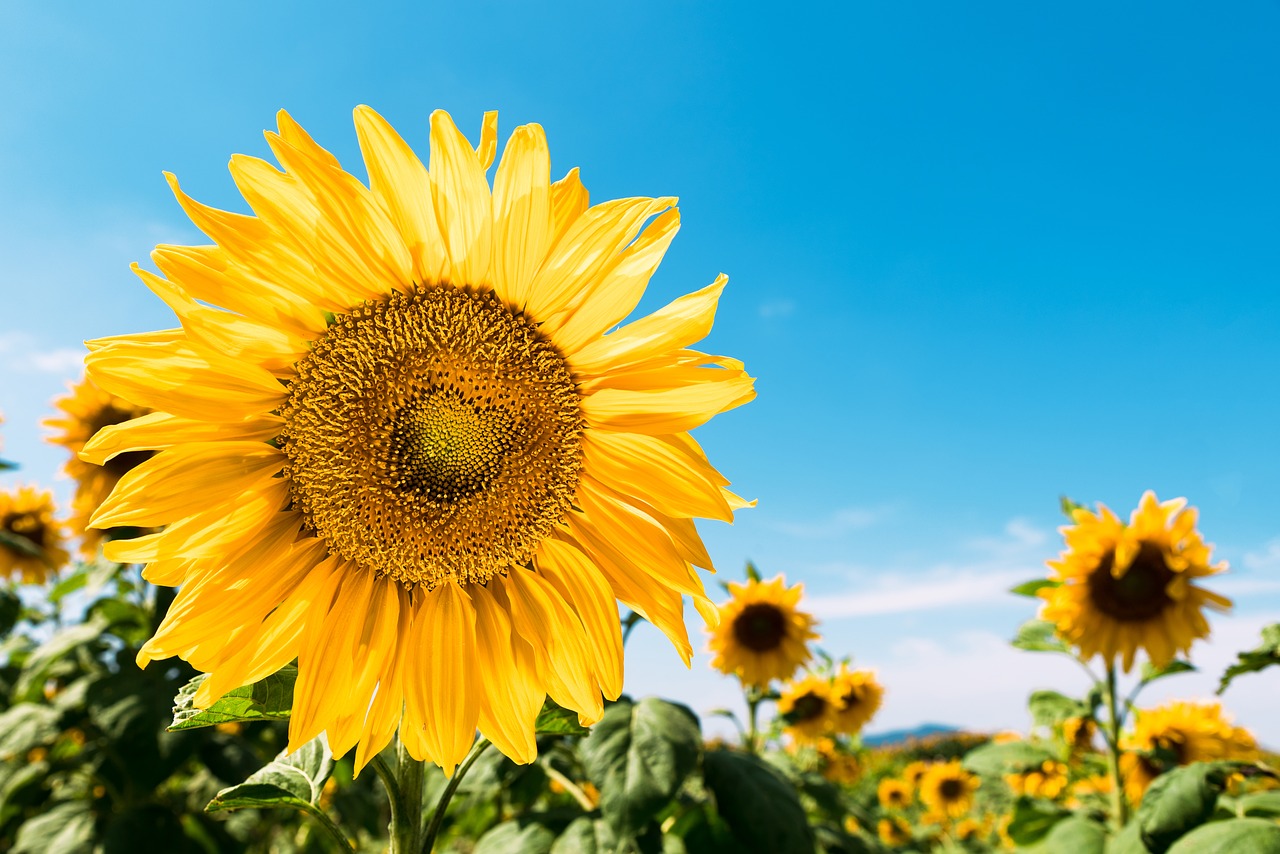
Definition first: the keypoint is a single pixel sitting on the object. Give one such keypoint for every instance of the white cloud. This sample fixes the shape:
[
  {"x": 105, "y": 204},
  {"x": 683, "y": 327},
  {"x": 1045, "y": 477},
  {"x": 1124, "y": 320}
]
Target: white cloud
[
  {"x": 776, "y": 308},
  {"x": 834, "y": 525},
  {"x": 20, "y": 353},
  {"x": 1264, "y": 560}
]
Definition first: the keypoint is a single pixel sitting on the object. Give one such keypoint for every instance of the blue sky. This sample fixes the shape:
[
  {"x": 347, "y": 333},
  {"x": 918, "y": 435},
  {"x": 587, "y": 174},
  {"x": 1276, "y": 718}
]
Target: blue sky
[{"x": 979, "y": 256}]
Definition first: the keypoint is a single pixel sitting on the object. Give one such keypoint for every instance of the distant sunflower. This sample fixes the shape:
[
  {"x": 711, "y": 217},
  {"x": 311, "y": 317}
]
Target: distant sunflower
[
  {"x": 856, "y": 696},
  {"x": 394, "y": 441},
  {"x": 836, "y": 763},
  {"x": 32, "y": 548},
  {"x": 893, "y": 831},
  {"x": 762, "y": 634},
  {"x": 894, "y": 794},
  {"x": 969, "y": 828},
  {"x": 1047, "y": 780},
  {"x": 948, "y": 789},
  {"x": 805, "y": 707},
  {"x": 1129, "y": 587},
  {"x": 85, "y": 411},
  {"x": 1179, "y": 733},
  {"x": 1079, "y": 733},
  {"x": 914, "y": 772}
]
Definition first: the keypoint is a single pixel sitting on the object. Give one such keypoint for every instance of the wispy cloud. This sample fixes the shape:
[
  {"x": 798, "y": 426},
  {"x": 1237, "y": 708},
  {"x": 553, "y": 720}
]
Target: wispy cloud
[
  {"x": 1265, "y": 559},
  {"x": 834, "y": 525},
  {"x": 776, "y": 308},
  {"x": 21, "y": 353}
]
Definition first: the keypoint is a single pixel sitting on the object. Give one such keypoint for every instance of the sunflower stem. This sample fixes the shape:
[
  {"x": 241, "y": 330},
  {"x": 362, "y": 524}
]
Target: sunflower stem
[
  {"x": 1119, "y": 806},
  {"x": 437, "y": 817},
  {"x": 754, "y": 697},
  {"x": 571, "y": 787},
  {"x": 406, "y": 802}
]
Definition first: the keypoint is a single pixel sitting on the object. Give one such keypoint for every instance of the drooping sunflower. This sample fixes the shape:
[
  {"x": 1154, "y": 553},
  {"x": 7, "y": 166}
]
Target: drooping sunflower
[
  {"x": 33, "y": 548},
  {"x": 1130, "y": 587},
  {"x": 85, "y": 411},
  {"x": 762, "y": 634},
  {"x": 894, "y": 794},
  {"x": 857, "y": 696},
  {"x": 893, "y": 831},
  {"x": 805, "y": 707},
  {"x": 394, "y": 441},
  {"x": 1179, "y": 733},
  {"x": 948, "y": 789}
]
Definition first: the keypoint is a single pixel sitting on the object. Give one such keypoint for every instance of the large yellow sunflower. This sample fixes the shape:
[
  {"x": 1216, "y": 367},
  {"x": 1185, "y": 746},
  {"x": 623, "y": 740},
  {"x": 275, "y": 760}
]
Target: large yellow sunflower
[
  {"x": 26, "y": 514},
  {"x": 85, "y": 411},
  {"x": 1129, "y": 587},
  {"x": 1179, "y": 733},
  {"x": 805, "y": 707},
  {"x": 947, "y": 789},
  {"x": 395, "y": 442},
  {"x": 857, "y": 696},
  {"x": 762, "y": 634}
]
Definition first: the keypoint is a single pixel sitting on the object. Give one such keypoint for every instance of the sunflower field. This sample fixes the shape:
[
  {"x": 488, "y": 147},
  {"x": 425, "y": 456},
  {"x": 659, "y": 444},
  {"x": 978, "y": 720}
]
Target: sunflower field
[{"x": 355, "y": 552}]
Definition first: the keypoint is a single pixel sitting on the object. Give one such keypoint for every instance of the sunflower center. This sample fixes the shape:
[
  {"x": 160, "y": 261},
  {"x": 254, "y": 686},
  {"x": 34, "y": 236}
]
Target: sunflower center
[
  {"x": 760, "y": 627},
  {"x": 950, "y": 789},
  {"x": 25, "y": 525},
  {"x": 1137, "y": 595},
  {"x": 807, "y": 707},
  {"x": 433, "y": 435}
]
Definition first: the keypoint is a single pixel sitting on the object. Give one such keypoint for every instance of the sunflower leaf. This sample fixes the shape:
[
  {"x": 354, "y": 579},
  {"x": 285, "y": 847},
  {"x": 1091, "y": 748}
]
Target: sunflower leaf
[
  {"x": 760, "y": 807},
  {"x": 1039, "y": 636},
  {"x": 1179, "y": 800},
  {"x": 1033, "y": 587},
  {"x": 1254, "y": 835},
  {"x": 292, "y": 780},
  {"x": 1076, "y": 834},
  {"x": 268, "y": 700},
  {"x": 555, "y": 720},
  {"x": 1254, "y": 660},
  {"x": 1049, "y": 708},
  {"x": 996, "y": 760},
  {"x": 1033, "y": 819},
  {"x": 1151, "y": 673}
]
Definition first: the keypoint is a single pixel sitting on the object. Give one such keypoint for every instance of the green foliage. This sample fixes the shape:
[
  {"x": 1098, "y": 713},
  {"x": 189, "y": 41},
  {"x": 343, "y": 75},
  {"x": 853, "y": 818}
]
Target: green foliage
[
  {"x": 1033, "y": 819},
  {"x": 292, "y": 780},
  {"x": 1255, "y": 659},
  {"x": 996, "y": 760},
  {"x": 1039, "y": 636},
  {"x": 1177, "y": 801},
  {"x": 1049, "y": 708},
  {"x": 269, "y": 699},
  {"x": 759, "y": 806},
  {"x": 1032, "y": 588},
  {"x": 554, "y": 720},
  {"x": 1151, "y": 673},
  {"x": 526, "y": 835},
  {"x": 1252, "y": 835}
]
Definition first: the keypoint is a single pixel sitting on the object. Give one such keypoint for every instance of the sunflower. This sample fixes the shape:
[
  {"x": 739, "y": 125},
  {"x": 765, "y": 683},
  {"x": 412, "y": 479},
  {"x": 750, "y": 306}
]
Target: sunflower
[
  {"x": 893, "y": 831},
  {"x": 836, "y": 763},
  {"x": 914, "y": 772},
  {"x": 1179, "y": 733},
  {"x": 969, "y": 828},
  {"x": 393, "y": 440},
  {"x": 805, "y": 707},
  {"x": 85, "y": 411},
  {"x": 1047, "y": 780},
  {"x": 857, "y": 697},
  {"x": 762, "y": 635},
  {"x": 1078, "y": 733},
  {"x": 1129, "y": 587},
  {"x": 32, "y": 548},
  {"x": 894, "y": 794},
  {"x": 948, "y": 789}
]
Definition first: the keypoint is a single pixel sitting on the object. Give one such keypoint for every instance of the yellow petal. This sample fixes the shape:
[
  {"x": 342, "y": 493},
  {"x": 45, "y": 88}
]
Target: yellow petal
[
  {"x": 462, "y": 202},
  {"x": 647, "y": 465},
  {"x": 521, "y": 213},
  {"x": 581, "y": 584},
  {"x": 443, "y": 672},
  {"x": 667, "y": 411},
  {"x": 569, "y": 199},
  {"x": 159, "y": 430},
  {"x": 512, "y": 698}
]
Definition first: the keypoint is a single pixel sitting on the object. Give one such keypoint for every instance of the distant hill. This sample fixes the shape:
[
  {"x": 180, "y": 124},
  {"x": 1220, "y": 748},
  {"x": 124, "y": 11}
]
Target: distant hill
[{"x": 897, "y": 736}]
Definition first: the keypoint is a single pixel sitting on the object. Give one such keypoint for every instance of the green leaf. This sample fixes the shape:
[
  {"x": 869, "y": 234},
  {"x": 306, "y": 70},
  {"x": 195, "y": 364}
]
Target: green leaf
[
  {"x": 585, "y": 835},
  {"x": 268, "y": 700},
  {"x": 554, "y": 720},
  {"x": 1241, "y": 835},
  {"x": 1076, "y": 834},
  {"x": 1261, "y": 804},
  {"x": 752, "y": 573},
  {"x": 290, "y": 780},
  {"x": 1151, "y": 673},
  {"x": 1256, "y": 659},
  {"x": 525, "y": 836},
  {"x": 30, "y": 683},
  {"x": 1069, "y": 507},
  {"x": 1033, "y": 819},
  {"x": 637, "y": 756},
  {"x": 1033, "y": 587},
  {"x": 1179, "y": 800},
  {"x": 1049, "y": 708},
  {"x": 760, "y": 806},
  {"x": 1127, "y": 841},
  {"x": 73, "y": 582},
  {"x": 25, "y": 726},
  {"x": 996, "y": 760},
  {"x": 1039, "y": 636},
  {"x": 10, "y": 611},
  {"x": 66, "y": 828}
]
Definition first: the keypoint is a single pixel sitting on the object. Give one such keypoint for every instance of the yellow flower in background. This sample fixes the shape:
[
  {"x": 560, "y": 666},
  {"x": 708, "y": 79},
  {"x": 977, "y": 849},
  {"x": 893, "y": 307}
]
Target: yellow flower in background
[
  {"x": 1130, "y": 587},
  {"x": 1047, "y": 781},
  {"x": 856, "y": 697},
  {"x": 1078, "y": 733},
  {"x": 948, "y": 789},
  {"x": 969, "y": 828},
  {"x": 1088, "y": 788},
  {"x": 26, "y": 518},
  {"x": 894, "y": 794},
  {"x": 805, "y": 708},
  {"x": 914, "y": 772},
  {"x": 85, "y": 411},
  {"x": 762, "y": 634},
  {"x": 395, "y": 443},
  {"x": 893, "y": 831},
  {"x": 1179, "y": 733},
  {"x": 837, "y": 764}
]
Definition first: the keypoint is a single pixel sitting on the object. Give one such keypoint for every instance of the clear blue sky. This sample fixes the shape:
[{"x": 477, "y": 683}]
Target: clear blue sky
[{"x": 979, "y": 255}]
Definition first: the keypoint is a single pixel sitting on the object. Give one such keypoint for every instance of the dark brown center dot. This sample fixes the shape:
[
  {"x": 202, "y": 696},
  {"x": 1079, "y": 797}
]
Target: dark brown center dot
[
  {"x": 951, "y": 789},
  {"x": 760, "y": 627},
  {"x": 807, "y": 707},
  {"x": 1137, "y": 595},
  {"x": 433, "y": 435},
  {"x": 26, "y": 525}
]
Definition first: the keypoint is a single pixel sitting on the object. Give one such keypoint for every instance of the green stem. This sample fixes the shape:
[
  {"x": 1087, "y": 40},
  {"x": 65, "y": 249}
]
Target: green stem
[
  {"x": 332, "y": 829},
  {"x": 437, "y": 817},
  {"x": 628, "y": 624},
  {"x": 406, "y": 802},
  {"x": 571, "y": 787},
  {"x": 1119, "y": 805},
  {"x": 754, "y": 697}
]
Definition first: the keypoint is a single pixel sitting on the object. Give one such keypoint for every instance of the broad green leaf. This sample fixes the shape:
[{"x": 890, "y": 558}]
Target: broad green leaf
[
  {"x": 760, "y": 806},
  {"x": 1261, "y": 804},
  {"x": 268, "y": 700},
  {"x": 996, "y": 760},
  {"x": 1033, "y": 587},
  {"x": 73, "y": 582},
  {"x": 10, "y": 610},
  {"x": 1178, "y": 801},
  {"x": 584, "y": 835},
  {"x": 1049, "y": 708},
  {"x": 290, "y": 780},
  {"x": 30, "y": 683},
  {"x": 702, "y": 830},
  {"x": 1256, "y": 659},
  {"x": 1238, "y": 836},
  {"x": 1076, "y": 834},
  {"x": 1127, "y": 841},
  {"x": 1033, "y": 819},
  {"x": 1150, "y": 673},
  {"x": 637, "y": 756},
  {"x": 67, "y": 828},
  {"x": 25, "y": 726},
  {"x": 522, "y": 834},
  {"x": 554, "y": 720},
  {"x": 1039, "y": 636}
]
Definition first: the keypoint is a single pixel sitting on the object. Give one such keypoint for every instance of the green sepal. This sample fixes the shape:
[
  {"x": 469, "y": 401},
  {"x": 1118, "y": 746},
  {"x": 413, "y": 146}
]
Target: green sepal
[
  {"x": 268, "y": 700},
  {"x": 1032, "y": 588}
]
